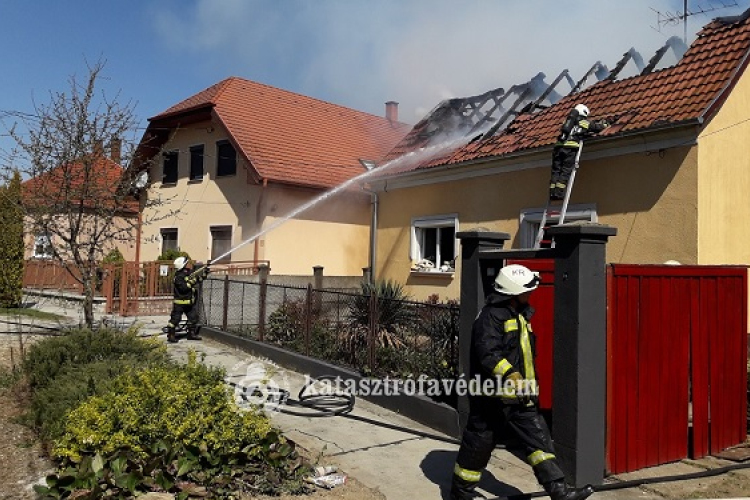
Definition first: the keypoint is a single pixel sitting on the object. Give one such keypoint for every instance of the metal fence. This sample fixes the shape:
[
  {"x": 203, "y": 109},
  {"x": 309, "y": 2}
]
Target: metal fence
[{"x": 371, "y": 334}]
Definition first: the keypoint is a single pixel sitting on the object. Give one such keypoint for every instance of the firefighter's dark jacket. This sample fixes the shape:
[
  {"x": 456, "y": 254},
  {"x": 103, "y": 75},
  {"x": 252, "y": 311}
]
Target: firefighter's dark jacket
[
  {"x": 185, "y": 289},
  {"x": 576, "y": 128},
  {"x": 496, "y": 339}
]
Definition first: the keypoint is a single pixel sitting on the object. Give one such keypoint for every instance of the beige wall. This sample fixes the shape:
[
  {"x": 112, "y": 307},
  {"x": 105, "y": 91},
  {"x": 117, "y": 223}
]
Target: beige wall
[
  {"x": 121, "y": 226},
  {"x": 650, "y": 198},
  {"x": 334, "y": 235},
  {"x": 724, "y": 180}
]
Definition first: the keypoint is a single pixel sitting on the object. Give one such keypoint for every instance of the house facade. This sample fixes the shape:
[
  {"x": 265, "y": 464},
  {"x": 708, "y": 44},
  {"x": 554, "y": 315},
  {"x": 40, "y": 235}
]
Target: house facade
[
  {"x": 671, "y": 174},
  {"x": 237, "y": 159}
]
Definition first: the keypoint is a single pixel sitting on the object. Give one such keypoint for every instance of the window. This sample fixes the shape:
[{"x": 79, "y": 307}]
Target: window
[
  {"x": 221, "y": 241},
  {"x": 433, "y": 247},
  {"x": 196, "y": 163},
  {"x": 168, "y": 239},
  {"x": 226, "y": 159},
  {"x": 42, "y": 246},
  {"x": 171, "y": 159},
  {"x": 531, "y": 218}
]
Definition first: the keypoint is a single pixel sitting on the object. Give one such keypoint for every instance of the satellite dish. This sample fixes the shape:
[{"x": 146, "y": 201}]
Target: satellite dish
[{"x": 141, "y": 181}]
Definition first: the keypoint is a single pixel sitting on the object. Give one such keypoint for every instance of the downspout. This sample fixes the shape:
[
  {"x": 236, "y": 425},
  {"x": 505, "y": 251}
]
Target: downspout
[
  {"x": 373, "y": 232},
  {"x": 256, "y": 244}
]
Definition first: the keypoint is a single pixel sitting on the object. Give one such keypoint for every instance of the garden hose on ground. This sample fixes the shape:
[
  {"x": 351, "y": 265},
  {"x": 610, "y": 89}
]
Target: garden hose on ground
[{"x": 342, "y": 403}]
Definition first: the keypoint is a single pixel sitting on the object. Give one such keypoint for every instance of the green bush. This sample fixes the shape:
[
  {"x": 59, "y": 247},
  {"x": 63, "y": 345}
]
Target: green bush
[
  {"x": 167, "y": 427},
  {"x": 113, "y": 257},
  {"x": 47, "y": 359},
  {"x": 171, "y": 254},
  {"x": 11, "y": 244},
  {"x": 76, "y": 383}
]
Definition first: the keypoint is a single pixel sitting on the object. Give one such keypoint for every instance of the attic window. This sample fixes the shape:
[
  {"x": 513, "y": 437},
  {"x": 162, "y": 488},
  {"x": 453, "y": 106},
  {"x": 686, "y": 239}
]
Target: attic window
[
  {"x": 226, "y": 159},
  {"x": 43, "y": 246},
  {"x": 170, "y": 167}
]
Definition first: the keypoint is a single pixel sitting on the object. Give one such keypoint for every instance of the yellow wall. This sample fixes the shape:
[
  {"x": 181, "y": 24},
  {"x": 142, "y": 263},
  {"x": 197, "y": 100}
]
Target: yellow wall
[
  {"x": 334, "y": 235},
  {"x": 724, "y": 180},
  {"x": 650, "y": 198}
]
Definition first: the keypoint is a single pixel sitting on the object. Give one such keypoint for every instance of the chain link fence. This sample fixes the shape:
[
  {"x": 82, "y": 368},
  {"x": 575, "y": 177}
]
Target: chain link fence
[{"x": 371, "y": 334}]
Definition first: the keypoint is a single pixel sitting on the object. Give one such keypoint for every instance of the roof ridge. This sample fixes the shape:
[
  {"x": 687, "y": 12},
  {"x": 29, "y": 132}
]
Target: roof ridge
[
  {"x": 307, "y": 97},
  {"x": 223, "y": 85}
]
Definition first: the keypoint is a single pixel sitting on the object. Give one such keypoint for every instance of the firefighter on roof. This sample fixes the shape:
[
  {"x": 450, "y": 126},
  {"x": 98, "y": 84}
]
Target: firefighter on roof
[{"x": 576, "y": 127}]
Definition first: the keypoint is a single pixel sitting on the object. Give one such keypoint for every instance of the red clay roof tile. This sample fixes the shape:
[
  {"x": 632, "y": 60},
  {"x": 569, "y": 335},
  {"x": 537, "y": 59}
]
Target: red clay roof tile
[
  {"x": 681, "y": 93},
  {"x": 292, "y": 138}
]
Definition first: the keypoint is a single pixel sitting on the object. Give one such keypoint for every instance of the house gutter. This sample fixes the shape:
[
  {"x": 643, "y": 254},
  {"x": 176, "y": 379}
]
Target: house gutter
[
  {"x": 373, "y": 231},
  {"x": 256, "y": 243}
]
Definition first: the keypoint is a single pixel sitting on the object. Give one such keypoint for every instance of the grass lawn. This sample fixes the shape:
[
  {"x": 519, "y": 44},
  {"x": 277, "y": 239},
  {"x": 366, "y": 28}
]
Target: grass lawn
[{"x": 29, "y": 313}]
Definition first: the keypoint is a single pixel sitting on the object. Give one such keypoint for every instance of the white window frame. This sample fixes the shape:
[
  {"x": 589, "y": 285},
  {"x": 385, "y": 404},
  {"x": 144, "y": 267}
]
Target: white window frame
[
  {"x": 416, "y": 252},
  {"x": 45, "y": 240},
  {"x": 530, "y": 218}
]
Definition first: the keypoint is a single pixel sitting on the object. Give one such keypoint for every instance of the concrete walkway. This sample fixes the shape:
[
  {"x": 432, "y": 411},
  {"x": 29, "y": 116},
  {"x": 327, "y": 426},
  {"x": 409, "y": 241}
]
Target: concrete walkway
[{"x": 400, "y": 465}]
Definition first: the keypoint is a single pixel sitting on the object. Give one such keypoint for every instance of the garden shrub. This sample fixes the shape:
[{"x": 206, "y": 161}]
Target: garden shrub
[
  {"x": 47, "y": 359},
  {"x": 171, "y": 428}
]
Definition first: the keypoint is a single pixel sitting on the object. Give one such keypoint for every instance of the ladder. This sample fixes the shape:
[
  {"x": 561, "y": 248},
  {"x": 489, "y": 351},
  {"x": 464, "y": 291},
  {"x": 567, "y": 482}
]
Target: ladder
[{"x": 551, "y": 203}]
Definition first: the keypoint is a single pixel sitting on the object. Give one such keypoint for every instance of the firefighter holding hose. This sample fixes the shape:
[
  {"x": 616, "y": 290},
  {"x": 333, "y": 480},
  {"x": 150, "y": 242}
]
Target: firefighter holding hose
[{"x": 186, "y": 281}]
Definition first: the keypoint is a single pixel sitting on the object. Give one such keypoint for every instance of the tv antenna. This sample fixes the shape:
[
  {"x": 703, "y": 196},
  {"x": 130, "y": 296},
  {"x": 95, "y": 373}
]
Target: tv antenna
[{"x": 668, "y": 18}]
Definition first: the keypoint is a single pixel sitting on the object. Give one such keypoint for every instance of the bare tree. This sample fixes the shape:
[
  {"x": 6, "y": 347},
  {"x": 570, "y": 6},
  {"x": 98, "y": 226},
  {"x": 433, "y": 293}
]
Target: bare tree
[{"x": 81, "y": 200}]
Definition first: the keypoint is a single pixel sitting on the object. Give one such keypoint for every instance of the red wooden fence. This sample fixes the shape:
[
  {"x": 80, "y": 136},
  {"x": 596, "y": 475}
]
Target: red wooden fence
[
  {"x": 675, "y": 332},
  {"x": 676, "y": 359}
]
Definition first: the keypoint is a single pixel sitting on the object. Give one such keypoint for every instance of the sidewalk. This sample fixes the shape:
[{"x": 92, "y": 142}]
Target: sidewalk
[{"x": 401, "y": 465}]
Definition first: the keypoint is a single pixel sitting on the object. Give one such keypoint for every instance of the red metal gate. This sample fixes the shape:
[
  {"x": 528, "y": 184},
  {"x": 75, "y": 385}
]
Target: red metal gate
[{"x": 674, "y": 332}]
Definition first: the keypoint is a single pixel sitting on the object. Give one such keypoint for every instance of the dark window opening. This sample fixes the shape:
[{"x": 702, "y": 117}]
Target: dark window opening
[
  {"x": 170, "y": 167},
  {"x": 221, "y": 242},
  {"x": 226, "y": 159},
  {"x": 168, "y": 240},
  {"x": 196, "y": 162}
]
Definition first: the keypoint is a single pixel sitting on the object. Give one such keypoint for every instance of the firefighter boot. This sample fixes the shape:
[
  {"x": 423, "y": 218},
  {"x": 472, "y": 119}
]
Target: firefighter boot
[
  {"x": 464, "y": 490},
  {"x": 558, "y": 490},
  {"x": 193, "y": 333},
  {"x": 171, "y": 336}
]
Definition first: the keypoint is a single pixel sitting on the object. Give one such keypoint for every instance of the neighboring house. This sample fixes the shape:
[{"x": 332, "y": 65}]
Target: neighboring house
[
  {"x": 236, "y": 158},
  {"x": 86, "y": 188},
  {"x": 672, "y": 174}
]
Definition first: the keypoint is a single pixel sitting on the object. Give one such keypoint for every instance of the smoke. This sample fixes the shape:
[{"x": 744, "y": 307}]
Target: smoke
[{"x": 360, "y": 54}]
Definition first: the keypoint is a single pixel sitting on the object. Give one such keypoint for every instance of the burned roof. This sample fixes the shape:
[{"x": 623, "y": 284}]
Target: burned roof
[{"x": 688, "y": 92}]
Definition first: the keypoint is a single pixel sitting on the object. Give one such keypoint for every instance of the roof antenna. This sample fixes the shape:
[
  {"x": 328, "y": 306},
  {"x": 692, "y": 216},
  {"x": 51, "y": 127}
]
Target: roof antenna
[{"x": 668, "y": 18}]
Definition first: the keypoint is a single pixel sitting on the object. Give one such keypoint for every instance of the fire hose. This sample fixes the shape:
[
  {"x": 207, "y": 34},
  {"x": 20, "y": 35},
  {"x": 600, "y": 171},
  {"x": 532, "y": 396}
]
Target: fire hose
[{"x": 341, "y": 404}]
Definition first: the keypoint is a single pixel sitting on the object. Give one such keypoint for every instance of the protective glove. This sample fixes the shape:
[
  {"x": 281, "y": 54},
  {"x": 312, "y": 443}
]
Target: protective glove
[{"x": 518, "y": 379}]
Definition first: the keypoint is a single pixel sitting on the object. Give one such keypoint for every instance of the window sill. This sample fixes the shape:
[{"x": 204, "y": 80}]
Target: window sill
[
  {"x": 224, "y": 176},
  {"x": 433, "y": 274},
  {"x": 195, "y": 181},
  {"x": 168, "y": 184}
]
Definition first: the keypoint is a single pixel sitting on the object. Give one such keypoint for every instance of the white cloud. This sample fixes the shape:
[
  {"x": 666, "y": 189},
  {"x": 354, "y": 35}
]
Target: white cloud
[{"x": 361, "y": 53}]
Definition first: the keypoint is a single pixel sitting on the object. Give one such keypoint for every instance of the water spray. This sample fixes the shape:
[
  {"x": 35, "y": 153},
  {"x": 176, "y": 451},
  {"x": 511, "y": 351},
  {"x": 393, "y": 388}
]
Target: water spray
[{"x": 421, "y": 154}]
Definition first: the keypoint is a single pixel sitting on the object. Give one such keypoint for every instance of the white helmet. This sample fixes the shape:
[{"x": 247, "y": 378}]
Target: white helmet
[
  {"x": 516, "y": 279},
  {"x": 180, "y": 262},
  {"x": 582, "y": 110}
]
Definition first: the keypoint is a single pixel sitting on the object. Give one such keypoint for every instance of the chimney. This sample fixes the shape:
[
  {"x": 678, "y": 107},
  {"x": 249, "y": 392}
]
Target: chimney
[
  {"x": 98, "y": 147},
  {"x": 115, "y": 150},
  {"x": 391, "y": 111}
]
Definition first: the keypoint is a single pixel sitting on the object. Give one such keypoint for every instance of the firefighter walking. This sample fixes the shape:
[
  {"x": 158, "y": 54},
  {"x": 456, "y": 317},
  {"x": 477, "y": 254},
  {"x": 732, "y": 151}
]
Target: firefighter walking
[
  {"x": 502, "y": 349},
  {"x": 576, "y": 127},
  {"x": 186, "y": 281}
]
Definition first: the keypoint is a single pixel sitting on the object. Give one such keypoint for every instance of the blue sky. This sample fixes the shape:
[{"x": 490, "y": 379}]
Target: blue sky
[{"x": 357, "y": 53}]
